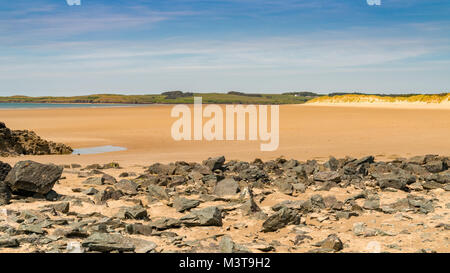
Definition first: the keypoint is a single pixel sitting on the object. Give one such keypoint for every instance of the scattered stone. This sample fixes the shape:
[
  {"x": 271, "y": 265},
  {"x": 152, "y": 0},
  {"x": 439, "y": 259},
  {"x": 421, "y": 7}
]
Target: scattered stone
[
  {"x": 105, "y": 242},
  {"x": 8, "y": 242},
  {"x": 94, "y": 181},
  {"x": 108, "y": 179},
  {"x": 136, "y": 213},
  {"x": 104, "y": 195},
  {"x": 372, "y": 203},
  {"x": 214, "y": 163},
  {"x": 280, "y": 219},
  {"x": 62, "y": 207},
  {"x": 5, "y": 194},
  {"x": 127, "y": 186},
  {"x": 91, "y": 191},
  {"x": 227, "y": 186},
  {"x": 182, "y": 204},
  {"x": 327, "y": 176},
  {"x": 210, "y": 216},
  {"x": 158, "y": 192},
  {"x": 332, "y": 242},
  {"x": 396, "y": 181},
  {"x": 228, "y": 246},
  {"x": 5, "y": 168}
]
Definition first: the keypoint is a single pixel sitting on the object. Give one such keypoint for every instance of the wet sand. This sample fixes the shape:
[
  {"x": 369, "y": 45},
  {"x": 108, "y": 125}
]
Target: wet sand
[{"x": 306, "y": 132}]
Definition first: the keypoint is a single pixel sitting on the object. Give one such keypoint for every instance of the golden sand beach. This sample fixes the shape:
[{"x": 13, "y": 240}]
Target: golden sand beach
[{"x": 306, "y": 132}]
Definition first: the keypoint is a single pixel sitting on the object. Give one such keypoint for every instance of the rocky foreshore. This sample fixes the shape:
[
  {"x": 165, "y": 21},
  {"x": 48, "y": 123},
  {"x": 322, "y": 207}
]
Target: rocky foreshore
[
  {"x": 341, "y": 205},
  {"x": 25, "y": 142}
]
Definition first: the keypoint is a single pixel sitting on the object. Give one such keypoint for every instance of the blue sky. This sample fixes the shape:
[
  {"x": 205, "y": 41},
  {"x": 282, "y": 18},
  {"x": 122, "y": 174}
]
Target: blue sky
[{"x": 148, "y": 46}]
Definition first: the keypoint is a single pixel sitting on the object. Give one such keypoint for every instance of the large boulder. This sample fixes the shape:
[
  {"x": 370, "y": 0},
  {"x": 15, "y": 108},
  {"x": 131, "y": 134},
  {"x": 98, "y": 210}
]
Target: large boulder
[{"x": 33, "y": 177}]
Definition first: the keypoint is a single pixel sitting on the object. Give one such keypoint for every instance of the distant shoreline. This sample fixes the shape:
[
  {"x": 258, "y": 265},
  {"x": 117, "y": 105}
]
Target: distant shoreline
[{"x": 178, "y": 97}]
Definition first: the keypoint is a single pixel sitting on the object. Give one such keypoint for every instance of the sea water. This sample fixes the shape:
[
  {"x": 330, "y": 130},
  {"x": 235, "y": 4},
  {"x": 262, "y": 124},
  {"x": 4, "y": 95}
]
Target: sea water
[{"x": 98, "y": 150}]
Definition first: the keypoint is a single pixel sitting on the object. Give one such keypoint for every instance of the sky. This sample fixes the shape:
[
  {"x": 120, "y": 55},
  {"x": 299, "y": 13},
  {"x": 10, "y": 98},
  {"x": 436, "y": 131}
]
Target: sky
[{"x": 48, "y": 47}]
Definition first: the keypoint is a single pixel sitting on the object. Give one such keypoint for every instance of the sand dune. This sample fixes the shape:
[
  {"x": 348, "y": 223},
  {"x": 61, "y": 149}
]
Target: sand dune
[{"x": 355, "y": 100}]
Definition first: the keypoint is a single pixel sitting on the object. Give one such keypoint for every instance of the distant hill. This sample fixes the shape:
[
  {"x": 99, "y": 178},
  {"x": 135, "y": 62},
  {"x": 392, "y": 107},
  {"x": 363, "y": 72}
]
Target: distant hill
[{"x": 170, "y": 97}]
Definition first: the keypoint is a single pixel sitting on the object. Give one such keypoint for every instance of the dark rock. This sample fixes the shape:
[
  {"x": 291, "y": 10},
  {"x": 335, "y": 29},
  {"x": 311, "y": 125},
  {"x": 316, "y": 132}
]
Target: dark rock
[
  {"x": 108, "y": 179},
  {"x": 359, "y": 166},
  {"x": 253, "y": 174},
  {"x": 30, "y": 228},
  {"x": 107, "y": 194},
  {"x": 332, "y": 242},
  {"x": 136, "y": 213},
  {"x": 5, "y": 194},
  {"x": 139, "y": 229},
  {"x": 4, "y": 170},
  {"x": 182, "y": 204},
  {"x": 372, "y": 203},
  {"x": 419, "y": 160},
  {"x": 345, "y": 214},
  {"x": 250, "y": 207},
  {"x": 431, "y": 185},
  {"x": 396, "y": 181},
  {"x": 158, "y": 192},
  {"x": 227, "y": 245},
  {"x": 18, "y": 142},
  {"x": 225, "y": 187},
  {"x": 94, "y": 181},
  {"x": 435, "y": 166},
  {"x": 161, "y": 169},
  {"x": 332, "y": 203},
  {"x": 214, "y": 163},
  {"x": 143, "y": 246},
  {"x": 284, "y": 186},
  {"x": 8, "y": 242},
  {"x": 31, "y": 176},
  {"x": 165, "y": 223},
  {"x": 52, "y": 196},
  {"x": 332, "y": 164},
  {"x": 175, "y": 180},
  {"x": 62, "y": 207},
  {"x": 105, "y": 242},
  {"x": 90, "y": 191},
  {"x": 127, "y": 186},
  {"x": 421, "y": 204},
  {"x": 317, "y": 201},
  {"x": 280, "y": 219},
  {"x": 327, "y": 176},
  {"x": 210, "y": 216},
  {"x": 299, "y": 187}
]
